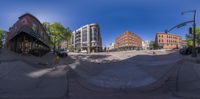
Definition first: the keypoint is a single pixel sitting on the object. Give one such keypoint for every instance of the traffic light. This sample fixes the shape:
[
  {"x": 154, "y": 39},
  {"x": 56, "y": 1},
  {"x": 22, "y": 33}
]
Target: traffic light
[{"x": 190, "y": 30}]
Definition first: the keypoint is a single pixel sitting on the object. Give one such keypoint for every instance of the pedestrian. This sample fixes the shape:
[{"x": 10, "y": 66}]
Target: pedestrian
[{"x": 56, "y": 60}]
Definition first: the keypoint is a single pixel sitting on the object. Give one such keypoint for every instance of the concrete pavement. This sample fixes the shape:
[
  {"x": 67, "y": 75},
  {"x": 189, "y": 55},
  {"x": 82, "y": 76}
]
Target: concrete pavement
[
  {"x": 126, "y": 74},
  {"x": 88, "y": 80}
]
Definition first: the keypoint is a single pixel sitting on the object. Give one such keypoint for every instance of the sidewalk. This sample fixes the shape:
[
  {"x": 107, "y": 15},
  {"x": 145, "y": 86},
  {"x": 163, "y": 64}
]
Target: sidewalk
[
  {"x": 21, "y": 81},
  {"x": 189, "y": 79}
]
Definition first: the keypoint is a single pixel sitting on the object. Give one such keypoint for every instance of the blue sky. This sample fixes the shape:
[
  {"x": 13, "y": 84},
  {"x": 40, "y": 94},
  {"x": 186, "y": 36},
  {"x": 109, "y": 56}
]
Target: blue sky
[{"x": 143, "y": 17}]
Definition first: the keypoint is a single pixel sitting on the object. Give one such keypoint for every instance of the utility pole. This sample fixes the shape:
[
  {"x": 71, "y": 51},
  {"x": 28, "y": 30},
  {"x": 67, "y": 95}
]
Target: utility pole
[{"x": 194, "y": 53}]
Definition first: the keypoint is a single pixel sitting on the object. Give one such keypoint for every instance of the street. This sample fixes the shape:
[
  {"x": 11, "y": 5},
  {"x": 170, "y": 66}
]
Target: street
[{"x": 138, "y": 75}]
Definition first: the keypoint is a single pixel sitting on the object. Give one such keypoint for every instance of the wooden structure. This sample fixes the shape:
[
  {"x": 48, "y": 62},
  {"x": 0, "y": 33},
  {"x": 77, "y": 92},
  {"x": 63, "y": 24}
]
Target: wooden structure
[{"x": 28, "y": 36}]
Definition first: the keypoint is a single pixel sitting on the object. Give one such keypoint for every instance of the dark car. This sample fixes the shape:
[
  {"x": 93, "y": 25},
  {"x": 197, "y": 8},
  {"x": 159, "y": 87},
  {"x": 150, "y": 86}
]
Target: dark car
[
  {"x": 62, "y": 53},
  {"x": 186, "y": 50}
]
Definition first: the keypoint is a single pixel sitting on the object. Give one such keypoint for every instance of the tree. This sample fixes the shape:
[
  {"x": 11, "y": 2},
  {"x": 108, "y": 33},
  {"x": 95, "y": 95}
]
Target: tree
[
  {"x": 189, "y": 37},
  {"x": 57, "y": 33},
  {"x": 198, "y": 36},
  {"x": 66, "y": 36},
  {"x": 71, "y": 48},
  {"x": 1, "y": 37},
  {"x": 152, "y": 45},
  {"x": 189, "y": 42},
  {"x": 54, "y": 30}
]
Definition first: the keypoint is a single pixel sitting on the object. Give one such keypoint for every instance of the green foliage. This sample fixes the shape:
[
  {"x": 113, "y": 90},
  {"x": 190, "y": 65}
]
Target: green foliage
[
  {"x": 71, "y": 48},
  {"x": 189, "y": 37},
  {"x": 57, "y": 33},
  {"x": 152, "y": 45},
  {"x": 198, "y": 36},
  {"x": 189, "y": 42},
  {"x": 1, "y": 37},
  {"x": 66, "y": 36}
]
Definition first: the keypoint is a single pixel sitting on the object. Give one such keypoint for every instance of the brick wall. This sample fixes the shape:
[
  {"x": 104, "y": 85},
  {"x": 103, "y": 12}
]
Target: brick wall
[
  {"x": 128, "y": 39},
  {"x": 168, "y": 41}
]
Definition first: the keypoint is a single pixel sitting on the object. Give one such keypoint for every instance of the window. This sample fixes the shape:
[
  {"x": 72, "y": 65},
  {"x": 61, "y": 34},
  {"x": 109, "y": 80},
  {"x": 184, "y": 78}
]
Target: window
[
  {"x": 34, "y": 27},
  {"x": 94, "y": 34},
  {"x": 84, "y": 35},
  {"x": 72, "y": 38}
]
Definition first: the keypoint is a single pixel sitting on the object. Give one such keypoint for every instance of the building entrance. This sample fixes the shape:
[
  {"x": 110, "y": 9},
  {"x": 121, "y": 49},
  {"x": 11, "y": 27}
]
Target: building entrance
[{"x": 26, "y": 44}]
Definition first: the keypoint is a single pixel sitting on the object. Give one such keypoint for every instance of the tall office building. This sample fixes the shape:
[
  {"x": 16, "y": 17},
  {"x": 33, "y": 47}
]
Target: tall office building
[{"x": 87, "y": 38}]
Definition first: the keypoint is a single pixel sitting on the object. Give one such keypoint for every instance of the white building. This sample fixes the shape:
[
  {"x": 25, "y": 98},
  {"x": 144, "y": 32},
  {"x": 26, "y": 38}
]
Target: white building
[
  {"x": 4, "y": 38},
  {"x": 87, "y": 38},
  {"x": 145, "y": 45},
  {"x": 111, "y": 46}
]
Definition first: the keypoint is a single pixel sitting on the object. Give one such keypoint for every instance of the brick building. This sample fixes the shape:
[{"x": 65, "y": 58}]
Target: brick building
[
  {"x": 184, "y": 43},
  {"x": 167, "y": 41},
  {"x": 128, "y": 41},
  {"x": 28, "y": 36}
]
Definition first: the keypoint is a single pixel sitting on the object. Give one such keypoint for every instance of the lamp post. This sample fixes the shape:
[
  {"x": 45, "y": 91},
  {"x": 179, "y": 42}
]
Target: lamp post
[{"x": 194, "y": 53}]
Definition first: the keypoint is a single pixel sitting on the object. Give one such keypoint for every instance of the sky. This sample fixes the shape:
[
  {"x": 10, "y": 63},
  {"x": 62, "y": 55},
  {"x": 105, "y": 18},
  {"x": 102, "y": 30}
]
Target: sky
[{"x": 142, "y": 17}]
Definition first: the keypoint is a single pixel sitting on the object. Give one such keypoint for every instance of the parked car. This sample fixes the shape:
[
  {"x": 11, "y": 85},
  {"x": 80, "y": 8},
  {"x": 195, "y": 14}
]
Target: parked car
[
  {"x": 186, "y": 50},
  {"x": 62, "y": 53}
]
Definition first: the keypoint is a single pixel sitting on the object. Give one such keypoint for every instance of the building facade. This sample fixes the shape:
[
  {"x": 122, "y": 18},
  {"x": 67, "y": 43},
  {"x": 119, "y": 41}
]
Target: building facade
[
  {"x": 128, "y": 41},
  {"x": 144, "y": 45},
  {"x": 4, "y": 39},
  {"x": 64, "y": 45},
  {"x": 184, "y": 43},
  {"x": 147, "y": 44},
  {"x": 167, "y": 41},
  {"x": 111, "y": 46},
  {"x": 28, "y": 36},
  {"x": 87, "y": 38}
]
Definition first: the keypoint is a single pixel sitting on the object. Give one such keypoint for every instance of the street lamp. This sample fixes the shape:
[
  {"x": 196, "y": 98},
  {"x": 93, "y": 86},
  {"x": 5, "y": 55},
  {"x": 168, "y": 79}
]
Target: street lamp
[
  {"x": 178, "y": 26},
  {"x": 194, "y": 53}
]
